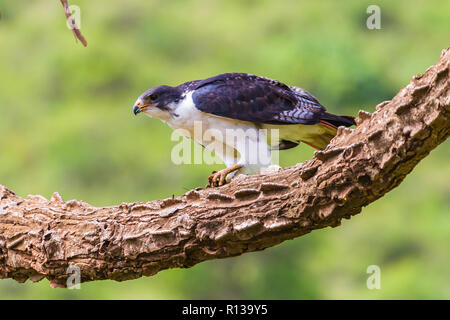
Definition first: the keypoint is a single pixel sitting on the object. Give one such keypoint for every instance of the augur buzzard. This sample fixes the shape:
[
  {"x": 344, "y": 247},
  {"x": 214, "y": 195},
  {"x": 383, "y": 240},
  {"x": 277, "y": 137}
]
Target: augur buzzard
[{"x": 249, "y": 116}]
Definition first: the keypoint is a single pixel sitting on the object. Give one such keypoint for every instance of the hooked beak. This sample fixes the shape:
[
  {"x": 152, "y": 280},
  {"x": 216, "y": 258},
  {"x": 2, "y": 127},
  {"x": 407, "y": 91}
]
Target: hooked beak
[
  {"x": 140, "y": 107},
  {"x": 137, "y": 109}
]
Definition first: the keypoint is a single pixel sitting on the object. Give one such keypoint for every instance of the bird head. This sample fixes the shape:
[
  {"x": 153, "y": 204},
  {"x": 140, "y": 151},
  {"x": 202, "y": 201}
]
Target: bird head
[{"x": 156, "y": 100}]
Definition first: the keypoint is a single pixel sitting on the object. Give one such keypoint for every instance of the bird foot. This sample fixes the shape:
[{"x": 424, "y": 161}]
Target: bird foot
[{"x": 219, "y": 178}]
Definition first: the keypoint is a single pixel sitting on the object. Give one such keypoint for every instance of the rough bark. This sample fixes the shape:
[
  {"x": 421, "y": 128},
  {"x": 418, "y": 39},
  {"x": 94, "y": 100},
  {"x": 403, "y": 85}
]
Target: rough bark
[{"x": 41, "y": 238}]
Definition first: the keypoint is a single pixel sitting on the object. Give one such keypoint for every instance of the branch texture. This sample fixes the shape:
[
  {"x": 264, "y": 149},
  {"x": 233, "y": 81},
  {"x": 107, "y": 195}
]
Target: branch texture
[{"x": 41, "y": 238}]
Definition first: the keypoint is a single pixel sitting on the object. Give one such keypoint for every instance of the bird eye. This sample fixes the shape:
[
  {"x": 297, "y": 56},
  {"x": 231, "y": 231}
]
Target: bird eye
[{"x": 153, "y": 96}]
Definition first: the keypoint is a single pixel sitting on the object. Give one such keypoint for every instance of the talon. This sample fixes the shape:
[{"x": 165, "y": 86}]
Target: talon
[
  {"x": 219, "y": 178},
  {"x": 212, "y": 177},
  {"x": 222, "y": 179}
]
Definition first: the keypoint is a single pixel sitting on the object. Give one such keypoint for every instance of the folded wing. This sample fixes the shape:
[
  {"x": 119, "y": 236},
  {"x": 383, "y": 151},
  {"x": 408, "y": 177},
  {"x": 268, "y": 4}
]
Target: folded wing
[{"x": 256, "y": 99}]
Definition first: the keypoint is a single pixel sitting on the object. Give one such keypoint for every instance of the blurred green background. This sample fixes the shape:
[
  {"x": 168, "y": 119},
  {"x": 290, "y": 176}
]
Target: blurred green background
[{"x": 66, "y": 125}]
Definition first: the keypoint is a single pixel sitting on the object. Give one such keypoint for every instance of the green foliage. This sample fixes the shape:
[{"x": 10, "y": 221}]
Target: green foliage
[{"x": 66, "y": 125}]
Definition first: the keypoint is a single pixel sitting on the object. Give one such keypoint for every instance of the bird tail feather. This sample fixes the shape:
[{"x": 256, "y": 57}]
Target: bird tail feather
[
  {"x": 337, "y": 121},
  {"x": 329, "y": 123}
]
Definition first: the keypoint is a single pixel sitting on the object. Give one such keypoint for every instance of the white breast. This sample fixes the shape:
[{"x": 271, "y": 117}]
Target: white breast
[{"x": 234, "y": 141}]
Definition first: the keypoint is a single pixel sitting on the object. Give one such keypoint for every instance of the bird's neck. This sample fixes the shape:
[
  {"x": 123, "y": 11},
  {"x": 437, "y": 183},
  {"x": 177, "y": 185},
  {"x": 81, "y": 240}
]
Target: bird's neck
[{"x": 164, "y": 115}]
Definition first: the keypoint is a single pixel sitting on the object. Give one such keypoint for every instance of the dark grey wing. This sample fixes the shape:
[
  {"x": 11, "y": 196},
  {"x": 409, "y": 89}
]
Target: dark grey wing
[{"x": 256, "y": 99}]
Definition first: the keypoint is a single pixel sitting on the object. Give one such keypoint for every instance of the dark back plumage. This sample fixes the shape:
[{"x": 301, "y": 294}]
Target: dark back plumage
[{"x": 257, "y": 99}]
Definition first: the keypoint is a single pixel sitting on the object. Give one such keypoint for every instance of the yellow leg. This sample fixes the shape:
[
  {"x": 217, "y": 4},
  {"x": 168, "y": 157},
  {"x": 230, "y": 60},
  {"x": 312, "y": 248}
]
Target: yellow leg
[{"x": 219, "y": 178}]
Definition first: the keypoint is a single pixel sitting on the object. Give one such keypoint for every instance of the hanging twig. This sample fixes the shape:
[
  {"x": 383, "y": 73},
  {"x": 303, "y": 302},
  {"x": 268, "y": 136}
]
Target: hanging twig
[{"x": 76, "y": 31}]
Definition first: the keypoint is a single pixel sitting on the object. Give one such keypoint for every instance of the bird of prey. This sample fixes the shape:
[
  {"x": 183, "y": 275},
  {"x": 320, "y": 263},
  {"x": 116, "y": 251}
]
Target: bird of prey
[{"x": 246, "y": 103}]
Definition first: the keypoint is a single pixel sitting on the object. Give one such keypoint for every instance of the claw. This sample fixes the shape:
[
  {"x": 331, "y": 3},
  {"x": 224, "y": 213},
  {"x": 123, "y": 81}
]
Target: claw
[
  {"x": 216, "y": 178},
  {"x": 219, "y": 178}
]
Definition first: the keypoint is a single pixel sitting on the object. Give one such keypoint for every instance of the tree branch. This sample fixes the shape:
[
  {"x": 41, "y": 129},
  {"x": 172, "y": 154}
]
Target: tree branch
[
  {"x": 41, "y": 238},
  {"x": 76, "y": 31}
]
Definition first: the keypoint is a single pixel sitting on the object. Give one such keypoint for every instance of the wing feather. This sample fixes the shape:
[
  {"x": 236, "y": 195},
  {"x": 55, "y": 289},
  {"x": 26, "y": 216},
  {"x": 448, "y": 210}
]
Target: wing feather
[{"x": 256, "y": 99}]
